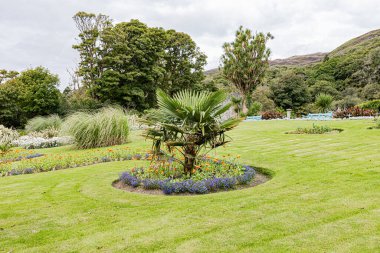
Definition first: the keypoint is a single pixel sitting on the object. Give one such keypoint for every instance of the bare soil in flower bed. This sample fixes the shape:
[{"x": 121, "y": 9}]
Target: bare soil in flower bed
[{"x": 259, "y": 178}]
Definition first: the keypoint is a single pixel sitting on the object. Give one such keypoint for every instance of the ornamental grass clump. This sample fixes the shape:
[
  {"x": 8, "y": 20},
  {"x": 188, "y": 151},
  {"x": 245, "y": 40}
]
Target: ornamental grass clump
[
  {"x": 41, "y": 123},
  {"x": 107, "y": 127},
  {"x": 6, "y": 137}
]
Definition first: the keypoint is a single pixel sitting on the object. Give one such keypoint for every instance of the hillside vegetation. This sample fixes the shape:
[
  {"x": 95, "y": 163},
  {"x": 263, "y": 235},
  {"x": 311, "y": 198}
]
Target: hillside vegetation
[{"x": 350, "y": 73}]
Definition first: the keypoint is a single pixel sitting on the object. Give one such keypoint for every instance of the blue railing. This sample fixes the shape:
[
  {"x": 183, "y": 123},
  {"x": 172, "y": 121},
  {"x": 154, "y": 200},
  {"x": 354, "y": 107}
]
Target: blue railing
[
  {"x": 319, "y": 116},
  {"x": 253, "y": 118}
]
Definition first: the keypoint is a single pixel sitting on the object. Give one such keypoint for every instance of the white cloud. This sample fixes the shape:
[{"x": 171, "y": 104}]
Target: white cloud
[{"x": 41, "y": 32}]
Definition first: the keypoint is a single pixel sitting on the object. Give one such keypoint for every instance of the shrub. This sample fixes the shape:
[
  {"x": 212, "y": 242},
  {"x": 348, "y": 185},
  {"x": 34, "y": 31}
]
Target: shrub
[
  {"x": 372, "y": 105},
  {"x": 107, "y": 127},
  {"x": 324, "y": 102},
  {"x": 354, "y": 112},
  {"x": 42, "y": 123},
  {"x": 254, "y": 109},
  {"x": 271, "y": 115}
]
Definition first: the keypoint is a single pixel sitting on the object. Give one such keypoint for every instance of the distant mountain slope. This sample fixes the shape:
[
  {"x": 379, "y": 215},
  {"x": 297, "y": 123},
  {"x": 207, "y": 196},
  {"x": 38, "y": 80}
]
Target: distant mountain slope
[
  {"x": 365, "y": 42},
  {"x": 299, "y": 60}
]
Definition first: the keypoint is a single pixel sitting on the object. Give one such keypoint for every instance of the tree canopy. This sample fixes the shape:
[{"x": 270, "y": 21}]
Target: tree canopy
[
  {"x": 245, "y": 61},
  {"x": 125, "y": 63},
  {"x": 30, "y": 93}
]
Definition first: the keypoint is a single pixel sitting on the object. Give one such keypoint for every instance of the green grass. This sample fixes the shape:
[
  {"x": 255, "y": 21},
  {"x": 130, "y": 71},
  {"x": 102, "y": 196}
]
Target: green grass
[{"x": 324, "y": 197}]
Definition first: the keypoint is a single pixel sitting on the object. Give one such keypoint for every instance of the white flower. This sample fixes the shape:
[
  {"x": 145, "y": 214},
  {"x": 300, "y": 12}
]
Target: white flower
[{"x": 30, "y": 142}]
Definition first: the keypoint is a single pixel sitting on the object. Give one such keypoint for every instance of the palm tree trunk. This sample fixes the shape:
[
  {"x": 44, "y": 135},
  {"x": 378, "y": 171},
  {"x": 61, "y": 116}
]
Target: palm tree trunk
[{"x": 190, "y": 155}]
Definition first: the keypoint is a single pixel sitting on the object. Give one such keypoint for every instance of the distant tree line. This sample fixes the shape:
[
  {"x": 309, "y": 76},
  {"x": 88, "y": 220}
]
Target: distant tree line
[
  {"x": 345, "y": 80},
  {"x": 125, "y": 63},
  {"x": 121, "y": 64}
]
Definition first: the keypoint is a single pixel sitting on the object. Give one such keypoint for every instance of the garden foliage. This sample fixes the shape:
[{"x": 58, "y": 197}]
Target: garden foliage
[
  {"x": 106, "y": 127},
  {"x": 40, "y": 123},
  {"x": 189, "y": 122}
]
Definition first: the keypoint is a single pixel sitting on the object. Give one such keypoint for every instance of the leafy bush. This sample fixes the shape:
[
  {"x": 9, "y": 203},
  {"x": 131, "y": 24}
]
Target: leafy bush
[
  {"x": 372, "y": 105},
  {"x": 42, "y": 123},
  {"x": 107, "y": 127},
  {"x": 254, "y": 109},
  {"x": 354, "y": 112},
  {"x": 272, "y": 115}
]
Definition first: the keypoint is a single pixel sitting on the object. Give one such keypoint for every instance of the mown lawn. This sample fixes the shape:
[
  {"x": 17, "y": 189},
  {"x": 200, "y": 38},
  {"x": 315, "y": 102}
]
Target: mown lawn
[{"x": 324, "y": 197}]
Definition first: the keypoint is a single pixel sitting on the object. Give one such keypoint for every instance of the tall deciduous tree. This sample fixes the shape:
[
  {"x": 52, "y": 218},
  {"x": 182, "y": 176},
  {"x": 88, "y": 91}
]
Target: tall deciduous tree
[
  {"x": 125, "y": 63},
  {"x": 131, "y": 56},
  {"x": 6, "y": 75},
  {"x": 90, "y": 26},
  {"x": 183, "y": 62},
  {"x": 245, "y": 61}
]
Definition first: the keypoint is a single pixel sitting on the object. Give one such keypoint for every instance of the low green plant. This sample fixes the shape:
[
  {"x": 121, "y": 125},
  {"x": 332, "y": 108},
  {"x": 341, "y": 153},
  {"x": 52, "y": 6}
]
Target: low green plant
[
  {"x": 324, "y": 102},
  {"x": 254, "y": 109},
  {"x": 373, "y": 105},
  {"x": 315, "y": 129},
  {"x": 49, "y": 162},
  {"x": 376, "y": 125},
  {"x": 107, "y": 127},
  {"x": 42, "y": 123}
]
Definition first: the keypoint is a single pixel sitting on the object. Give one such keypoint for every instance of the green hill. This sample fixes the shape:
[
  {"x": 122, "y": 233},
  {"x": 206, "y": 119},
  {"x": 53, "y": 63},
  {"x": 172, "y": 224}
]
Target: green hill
[
  {"x": 365, "y": 43},
  {"x": 350, "y": 73}
]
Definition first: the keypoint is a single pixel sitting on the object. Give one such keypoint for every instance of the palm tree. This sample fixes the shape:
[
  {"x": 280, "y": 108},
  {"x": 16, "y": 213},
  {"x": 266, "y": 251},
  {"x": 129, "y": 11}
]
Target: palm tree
[
  {"x": 189, "y": 122},
  {"x": 324, "y": 102}
]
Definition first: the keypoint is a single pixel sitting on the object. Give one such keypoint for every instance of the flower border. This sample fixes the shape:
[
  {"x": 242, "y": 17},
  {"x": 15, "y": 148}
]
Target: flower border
[{"x": 204, "y": 186}]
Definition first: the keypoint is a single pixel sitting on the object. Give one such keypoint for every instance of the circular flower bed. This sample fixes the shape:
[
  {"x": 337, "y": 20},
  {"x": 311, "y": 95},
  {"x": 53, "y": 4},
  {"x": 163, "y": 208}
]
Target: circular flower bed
[{"x": 209, "y": 175}]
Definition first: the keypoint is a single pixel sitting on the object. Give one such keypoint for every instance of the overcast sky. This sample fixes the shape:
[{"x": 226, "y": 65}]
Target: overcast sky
[{"x": 41, "y": 32}]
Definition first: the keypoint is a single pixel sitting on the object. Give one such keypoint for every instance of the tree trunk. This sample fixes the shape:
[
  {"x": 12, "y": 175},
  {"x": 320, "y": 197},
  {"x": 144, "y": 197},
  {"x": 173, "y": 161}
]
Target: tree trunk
[
  {"x": 190, "y": 155},
  {"x": 244, "y": 103},
  {"x": 189, "y": 165}
]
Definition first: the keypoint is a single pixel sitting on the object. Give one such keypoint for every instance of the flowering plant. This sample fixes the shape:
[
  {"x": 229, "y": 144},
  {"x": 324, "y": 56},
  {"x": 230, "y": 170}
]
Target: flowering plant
[
  {"x": 32, "y": 142},
  {"x": 50, "y": 162},
  {"x": 210, "y": 174}
]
